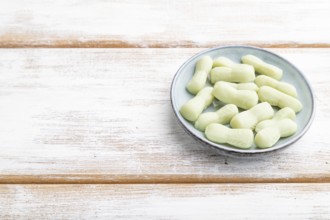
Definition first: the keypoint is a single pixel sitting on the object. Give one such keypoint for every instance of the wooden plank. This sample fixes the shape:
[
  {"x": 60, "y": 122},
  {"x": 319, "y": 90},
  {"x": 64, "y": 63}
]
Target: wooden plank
[
  {"x": 200, "y": 201},
  {"x": 171, "y": 23},
  {"x": 104, "y": 116}
]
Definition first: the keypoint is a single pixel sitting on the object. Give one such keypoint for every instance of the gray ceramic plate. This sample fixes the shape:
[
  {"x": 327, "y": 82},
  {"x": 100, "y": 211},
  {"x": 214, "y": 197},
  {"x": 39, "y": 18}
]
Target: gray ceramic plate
[{"x": 291, "y": 74}]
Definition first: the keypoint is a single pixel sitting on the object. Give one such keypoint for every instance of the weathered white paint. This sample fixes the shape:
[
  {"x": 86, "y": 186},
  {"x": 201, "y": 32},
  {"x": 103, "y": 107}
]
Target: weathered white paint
[
  {"x": 192, "y": 201},
  {"x": 166, "y": 23},
  {"x": 105, "y": 114}
]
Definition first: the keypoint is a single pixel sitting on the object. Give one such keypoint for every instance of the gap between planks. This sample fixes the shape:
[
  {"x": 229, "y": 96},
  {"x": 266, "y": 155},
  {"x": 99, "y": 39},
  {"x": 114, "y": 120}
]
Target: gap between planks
[
  {"x": 125, "y": 44},
  {"x": 150, "y": 179}
]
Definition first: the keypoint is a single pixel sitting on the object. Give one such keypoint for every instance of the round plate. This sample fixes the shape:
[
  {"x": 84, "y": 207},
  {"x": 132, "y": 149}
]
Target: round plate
[{"x": 179, "y": 95}]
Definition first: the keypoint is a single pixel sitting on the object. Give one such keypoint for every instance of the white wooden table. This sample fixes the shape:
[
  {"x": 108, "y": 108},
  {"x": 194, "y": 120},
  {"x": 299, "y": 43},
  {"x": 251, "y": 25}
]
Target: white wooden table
[{"x": 86, "y": 126}]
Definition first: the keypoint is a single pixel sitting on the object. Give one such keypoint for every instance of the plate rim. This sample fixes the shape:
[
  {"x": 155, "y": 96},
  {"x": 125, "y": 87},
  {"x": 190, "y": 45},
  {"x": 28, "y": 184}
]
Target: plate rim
[{"x": 232, "y": 150}]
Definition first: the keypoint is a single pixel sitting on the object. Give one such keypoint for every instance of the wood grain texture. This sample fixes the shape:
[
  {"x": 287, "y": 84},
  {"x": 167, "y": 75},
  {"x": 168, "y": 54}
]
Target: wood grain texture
[
  {"x": 104, "y": 116},
  {"x": 165, "y": 23},
  {"x": 206, "y": 201}
]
